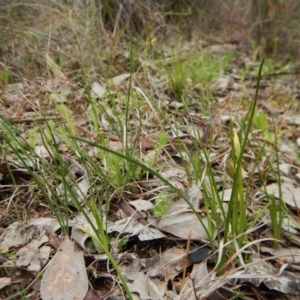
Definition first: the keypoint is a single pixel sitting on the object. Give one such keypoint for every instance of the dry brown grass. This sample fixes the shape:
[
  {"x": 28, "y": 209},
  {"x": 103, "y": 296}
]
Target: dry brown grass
[{"x": 92, "y": 37}]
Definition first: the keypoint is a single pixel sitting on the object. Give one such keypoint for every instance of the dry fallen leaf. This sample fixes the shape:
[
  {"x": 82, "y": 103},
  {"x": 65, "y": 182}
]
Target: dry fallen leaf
[
  {"x": 65, "y": 278},
  {"x": 98, "y": 89},
  {"x": 132, "y": 227},
  {"x": 166, "y": 265},
  {"x": 130, "y": 211},
  {"x": 92, "y": 295},
  {"x": 33, "y": 255},
  {"x": 181, "y": 221},
  {"x": 145, "y": 275},
  {"x": 4, "y": 281},
  {"x": 264, "y": 272},
  {"x": 117, "y": 80},
  {"x": 198, "y": 274},
  {"x": 290, "y": 193},
  {"x": 289, "y": 255},
  {"x": 20, "y": 233}
]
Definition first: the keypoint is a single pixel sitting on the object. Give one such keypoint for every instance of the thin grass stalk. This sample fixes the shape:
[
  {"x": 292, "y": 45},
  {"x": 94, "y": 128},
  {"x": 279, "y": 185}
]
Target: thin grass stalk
[
  {"x": 41, "y": 182},
  {"x": 277, "y": 207},
  {"x": 212, "y": 200},
  {"x": 146, "y": 168},
  {"x": 232, "y": 206},
  {"x": 239, "y": 206},
  {"x": 99, "y": 233},
  {"x": 279, "y": 212},
  {"x": 129, "y": 151},
  {"x": 113, "y": 262}
]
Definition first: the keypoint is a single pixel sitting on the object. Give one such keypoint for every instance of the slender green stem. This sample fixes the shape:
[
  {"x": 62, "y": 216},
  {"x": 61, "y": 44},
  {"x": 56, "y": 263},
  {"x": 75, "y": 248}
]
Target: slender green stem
[{"x": 233, "y": 202}]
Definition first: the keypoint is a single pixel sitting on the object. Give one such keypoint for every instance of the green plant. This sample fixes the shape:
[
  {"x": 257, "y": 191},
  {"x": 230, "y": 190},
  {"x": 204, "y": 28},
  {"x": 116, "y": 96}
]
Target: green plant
[
  {"x": 269, "y": 67},
  {"x": 235, "y": 221},
  {"x": 161, "y": 205},
  {"x": 12, "y": 255},
  {"x": 68, "y": 118},
  {"x": 5, "y": 76},
  {"x": 257, "y": 49},
  {"x": 190, "y": 69},
  {"x": 243, "y": 72},
  {"x": 118, "y": 172},
  {"x": 277, "y": 209},
  {"x": 32, "y": 135},
  {"x": 260, "y": 122},
  {"x": 66, "y": 193}
]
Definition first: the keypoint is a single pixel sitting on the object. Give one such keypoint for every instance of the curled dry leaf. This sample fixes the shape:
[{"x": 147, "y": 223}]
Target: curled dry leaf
[
  {"x": 148, "y": 288},
  {"x": 145, "y": 275},
  {"x": 80, "y": 236},
  {"x": 131, "y": 226},
  {"x": 264, "y": 272}
]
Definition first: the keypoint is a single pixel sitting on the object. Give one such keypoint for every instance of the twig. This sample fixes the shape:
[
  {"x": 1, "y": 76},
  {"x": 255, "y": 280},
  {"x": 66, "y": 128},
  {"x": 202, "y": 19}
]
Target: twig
[
  {"x": 194, "y": 288},
  {"x": 53, "y": 235},
  {"x": 25, "y": 120}
]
